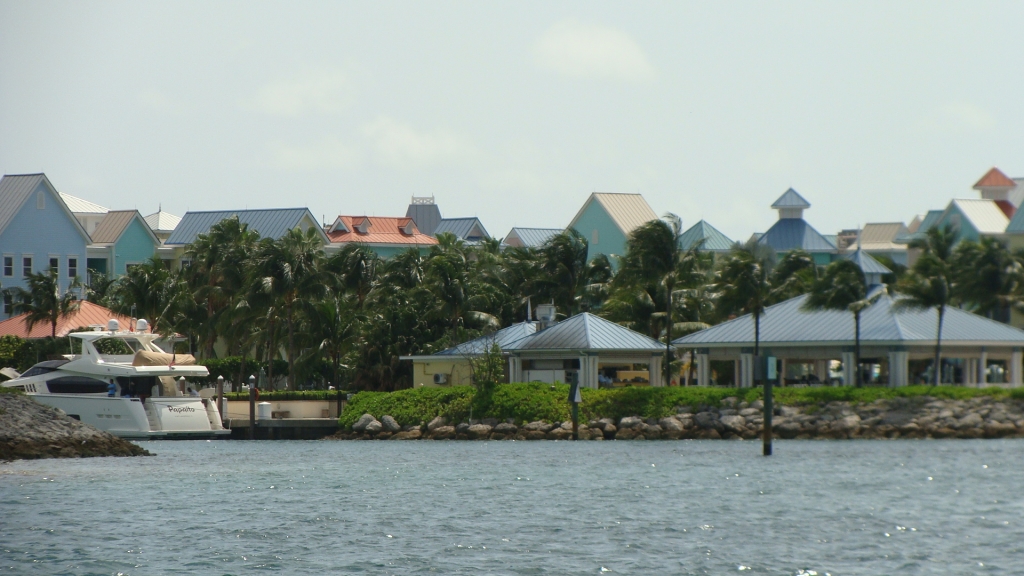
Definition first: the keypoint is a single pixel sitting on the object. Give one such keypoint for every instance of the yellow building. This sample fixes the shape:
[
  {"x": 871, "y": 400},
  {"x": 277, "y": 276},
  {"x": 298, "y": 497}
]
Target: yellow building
[{"x": 452, "y": 367}]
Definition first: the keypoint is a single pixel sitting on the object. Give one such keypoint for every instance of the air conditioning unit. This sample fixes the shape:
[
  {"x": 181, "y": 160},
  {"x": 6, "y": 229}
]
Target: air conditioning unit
[{"x": 440, "y": 378}]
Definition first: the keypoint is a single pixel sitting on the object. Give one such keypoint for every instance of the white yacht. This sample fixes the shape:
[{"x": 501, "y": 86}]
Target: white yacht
[{"x": 123, "y": 383}]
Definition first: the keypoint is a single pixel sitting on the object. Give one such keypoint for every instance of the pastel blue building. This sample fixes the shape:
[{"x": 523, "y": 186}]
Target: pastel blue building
[
  {"x": 792, "y": 232},
  {"x": 37, "y": 233},
  {"x": 708, "y": 237},
  {"x": 606, "y": 221}
]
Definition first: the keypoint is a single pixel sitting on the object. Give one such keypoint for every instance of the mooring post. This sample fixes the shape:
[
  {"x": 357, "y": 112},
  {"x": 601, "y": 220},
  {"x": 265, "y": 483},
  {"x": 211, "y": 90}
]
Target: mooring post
[
  {"x": 768, "y": 408},
  {"x": 338, "y": 389},
  {"x": 252, "y": 407},
  {"x": 220, "y": 398},
  {"x": 574, "y": 402}
]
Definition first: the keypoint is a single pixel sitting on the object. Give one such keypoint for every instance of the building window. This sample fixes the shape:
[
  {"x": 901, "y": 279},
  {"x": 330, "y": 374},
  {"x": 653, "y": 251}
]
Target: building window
[
  {"x": 8, "y": 266},
  {"x": 54, "y": 265},
  {"x": 593, "y": 236},
  {"x": 8, "y": 304},
  {"x": 72, "y": 267},
  {"x": 26, "y": 266}
]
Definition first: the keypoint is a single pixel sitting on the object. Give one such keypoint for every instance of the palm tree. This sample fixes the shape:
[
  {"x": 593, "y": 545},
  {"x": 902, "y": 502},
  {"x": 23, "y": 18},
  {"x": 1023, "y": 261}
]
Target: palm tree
[
  {"x": 743, "y": 284},
  {"x": 43, "y": 301},
  {"x": 143, "y": 288},
  {"x": 290, "y": 271},
  {"x": 989, "y": 279},
  {"x": 448, "y": 275},
  {"x": 842, "y": 287},
  {"x": 929, "y": 284},
  {"x": 565, "y": 271},
  {"x": 792, "y": 276}
]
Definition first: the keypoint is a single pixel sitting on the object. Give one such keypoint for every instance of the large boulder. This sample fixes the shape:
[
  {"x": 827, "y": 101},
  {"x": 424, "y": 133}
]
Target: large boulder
[
  {"x": 373, "y": 427},
  {"x": 559, "y": 434},
  {"x": 479, "y": 431},
  {"x": 364, "y": 420},
  {"x": 390, "y": 424},
  {"x": 442, "y": 433},
  {"x": 505, "y": 428},
  {"x": 408, "y": 435},
  {"x": 630, "y": 422},
  {"x": 436, "y": 423},
  {"x": 538, "y": 426},
  {"x": 708, "y": 421},
  {"x": 734, "y": 423}
]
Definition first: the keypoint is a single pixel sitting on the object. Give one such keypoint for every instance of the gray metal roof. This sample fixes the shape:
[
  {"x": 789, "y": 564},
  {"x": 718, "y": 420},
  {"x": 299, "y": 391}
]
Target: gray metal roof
[
  {"x": 714, "y": 241},
  {"x": 425, "y": 216},
  {"x": 930, "y": 219},
  {"x": 793, "y": 233},
  {"x": 587, "y": 332},
  {"x": 867, "y": 263},
  {"x": 462, "y": 228},
  {"x": 80, "y": 206},
  {"x": 161, "y": 221},
  {"x": 15, "y": 190},
  {"x": 791, "y": 199},
  {"x": 502, "y": 338},
  {"x": 269, "y": 223},
  {"x": 533, "y": 237},
  {"x": 786, "y": 323}
]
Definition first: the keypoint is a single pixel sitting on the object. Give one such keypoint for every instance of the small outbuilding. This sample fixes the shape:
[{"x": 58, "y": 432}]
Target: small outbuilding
[
  {"x": 453, "y": 366},
  {"x": 897, "y": 346},
  {"x": 590, "y": 348}
]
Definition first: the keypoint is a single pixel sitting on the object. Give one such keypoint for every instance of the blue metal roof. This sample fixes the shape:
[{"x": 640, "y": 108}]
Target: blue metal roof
[
  {"x": 534, "y": 237},
  {"x": 502, "y": 338},
  {"x": 867, "y": 263},
  {"x": 791, "y": 199},
  {"x": 1016, "y": 224},
  {"x": 930, "y": 219},
  {"x": 786, "y": 323},
  {"x": 587, "y": 332},
  {"x": 270, "y": 223},
  {"x": 795, "y": 233},
  {"x": 462, "y": 228},
  {"x": 714, "y": 241}
]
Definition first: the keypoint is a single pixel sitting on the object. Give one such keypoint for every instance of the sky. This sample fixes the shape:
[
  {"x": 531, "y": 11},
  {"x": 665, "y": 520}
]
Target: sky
[{"x": 515, "y": 112}]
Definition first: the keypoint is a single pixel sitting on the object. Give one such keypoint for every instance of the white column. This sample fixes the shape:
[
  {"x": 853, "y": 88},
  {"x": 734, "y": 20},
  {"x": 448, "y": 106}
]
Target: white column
[
  {"x": 898, "y": 369},
  {"x": 782, "y": 371},
  {"x": 970, "y": 371},
  {"x": 654, "y": 370},
  {"x": 747, "y": 373},
  {"x": 983, "y": 369},
  {"x": 1015, "y": 368},
  {"x": 849, "y": 374},
  {"x": 821, "y": 370},
  {"x": 703, "y": 370},
  {"x": 515, "y": 369}
]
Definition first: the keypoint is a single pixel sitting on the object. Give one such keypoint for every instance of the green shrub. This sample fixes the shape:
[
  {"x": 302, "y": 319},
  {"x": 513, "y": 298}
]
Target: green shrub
[{"x": 537, "y": 401}]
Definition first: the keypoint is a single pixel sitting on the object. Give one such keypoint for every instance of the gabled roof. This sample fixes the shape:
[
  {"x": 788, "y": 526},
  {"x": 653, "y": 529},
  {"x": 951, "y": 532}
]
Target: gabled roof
[
  {"x": 1016, "y": 224},
  {"x": 791, "y": 199},
  {"x": 15, "y": 190},
  {"x": 462, "y": 228},
  {"x": 985, "y": 215},
  {"x": 587, "y": 332},
  {"x": 502, "y": 338},
  {"x": 424, "y": 213},
  {"x": 795, "y": 233},
  {"x": 531, "y": 237},
  {"x": 867, "y": 264},
  {"x": 881, "y": 236},
  {"x": 714, "y": 241},
  {"x": 628, "y": 211},
  {"x": 931, "y": 218},
  {"x": 115, "y": 223},
  {"x": 1016, "y": 196},
  {"x": 163, "y": 221},
  {"x": 994, "y": 178},
  {"x": 786, "y": 323},
  {"x": 88, "y": 314},
  {"x": 80, "y": 206},
  {"x": 379, "y": 230},
  {"x": 269, "y": 223}
]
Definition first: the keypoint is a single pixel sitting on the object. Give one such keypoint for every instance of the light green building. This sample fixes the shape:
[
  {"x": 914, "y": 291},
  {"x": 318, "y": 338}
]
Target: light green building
[
  {"x": 120, "y": 240},
  {"x": 606, "y": 220}
]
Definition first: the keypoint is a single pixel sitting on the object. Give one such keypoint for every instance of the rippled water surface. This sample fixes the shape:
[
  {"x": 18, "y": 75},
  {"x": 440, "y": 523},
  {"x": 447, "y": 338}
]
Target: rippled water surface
[{"x": 691, "y": 507}]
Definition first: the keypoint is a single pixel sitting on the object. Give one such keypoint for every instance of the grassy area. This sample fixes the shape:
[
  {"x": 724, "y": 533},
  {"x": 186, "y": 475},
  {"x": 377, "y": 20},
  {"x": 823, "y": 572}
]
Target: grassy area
[{"x": 535, "y": 401}]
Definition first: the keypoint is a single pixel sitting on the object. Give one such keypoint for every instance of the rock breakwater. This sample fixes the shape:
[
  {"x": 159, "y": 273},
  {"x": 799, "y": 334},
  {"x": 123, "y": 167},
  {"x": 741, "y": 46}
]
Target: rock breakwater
[
  {"x": 918, "y": 417},
  {"x": 30, "y": 430}
]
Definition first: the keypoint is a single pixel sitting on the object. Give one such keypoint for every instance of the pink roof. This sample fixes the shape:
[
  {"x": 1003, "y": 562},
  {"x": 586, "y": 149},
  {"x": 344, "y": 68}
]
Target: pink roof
[
  {"x": 994, "y": 178},
  {"x": 381, "y": 230},
  {"x": 88, "y": 314}
]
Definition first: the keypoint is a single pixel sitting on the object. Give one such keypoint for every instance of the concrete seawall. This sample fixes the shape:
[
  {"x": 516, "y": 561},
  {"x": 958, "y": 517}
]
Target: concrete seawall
[{"x": 30, "y": 430}]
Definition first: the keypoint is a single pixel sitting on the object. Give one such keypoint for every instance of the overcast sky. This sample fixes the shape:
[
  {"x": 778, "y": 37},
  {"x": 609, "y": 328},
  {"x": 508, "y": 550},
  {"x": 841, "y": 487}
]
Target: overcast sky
[{"x": 515, "y": 112}]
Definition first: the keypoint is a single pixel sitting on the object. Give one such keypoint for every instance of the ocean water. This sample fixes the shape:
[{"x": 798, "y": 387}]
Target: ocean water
[{"x": 669, "y": 507}]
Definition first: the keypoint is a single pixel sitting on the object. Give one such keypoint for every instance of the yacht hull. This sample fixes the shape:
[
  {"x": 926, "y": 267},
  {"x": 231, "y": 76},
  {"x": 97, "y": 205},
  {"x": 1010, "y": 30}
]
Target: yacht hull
[{"x": 158, "y": 418}]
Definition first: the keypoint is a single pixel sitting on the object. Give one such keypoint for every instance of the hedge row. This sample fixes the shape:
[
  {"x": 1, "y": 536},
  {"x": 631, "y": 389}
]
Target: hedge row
[{"x": 536, "y": 401}]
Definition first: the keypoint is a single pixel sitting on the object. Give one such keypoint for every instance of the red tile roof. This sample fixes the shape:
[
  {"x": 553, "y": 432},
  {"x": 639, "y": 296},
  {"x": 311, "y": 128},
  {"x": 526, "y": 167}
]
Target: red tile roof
[
  {"x": 994, "y": 178},
  {"x": 88, "y": 314},
  {"x": 381, "y": 230},
  {"x": 1007, "y": 207}
]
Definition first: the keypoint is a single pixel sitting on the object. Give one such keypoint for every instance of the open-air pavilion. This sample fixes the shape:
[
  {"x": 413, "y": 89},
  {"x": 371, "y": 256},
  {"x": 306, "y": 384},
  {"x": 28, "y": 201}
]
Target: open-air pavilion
[{"x": 897, "y": 346}]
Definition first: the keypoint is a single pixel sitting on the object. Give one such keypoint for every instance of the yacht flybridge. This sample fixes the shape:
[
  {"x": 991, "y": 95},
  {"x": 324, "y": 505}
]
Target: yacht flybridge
[{"x": 123, "y": 383}]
